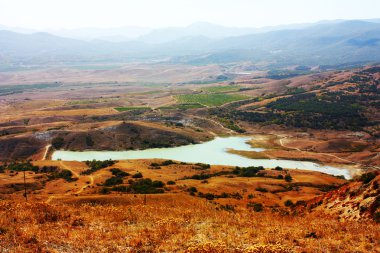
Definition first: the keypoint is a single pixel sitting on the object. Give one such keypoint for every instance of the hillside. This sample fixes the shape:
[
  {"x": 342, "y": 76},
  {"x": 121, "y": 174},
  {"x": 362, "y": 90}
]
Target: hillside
[
  {"x": 169, "y": 209},
  {"x": 354, "y": 201}
]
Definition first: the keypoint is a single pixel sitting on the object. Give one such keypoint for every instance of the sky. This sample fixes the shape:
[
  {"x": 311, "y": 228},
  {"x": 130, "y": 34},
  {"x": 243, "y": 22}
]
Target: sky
[{"x": 69, "y": 14}]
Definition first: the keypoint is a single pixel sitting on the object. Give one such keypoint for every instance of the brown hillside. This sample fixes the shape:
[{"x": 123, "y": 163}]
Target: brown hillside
[{"x": 353, "y": 201}]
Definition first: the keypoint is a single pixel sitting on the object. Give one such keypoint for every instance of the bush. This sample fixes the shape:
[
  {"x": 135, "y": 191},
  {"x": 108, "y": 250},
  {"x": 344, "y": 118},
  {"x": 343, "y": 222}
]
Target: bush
[
  {"x": 208, "y": 196},
  {"x": 56, "y": 173},
  {"x": 203, "y": 166},
  {"x": 280, "y": 177},
  {"x": 261, "y": 189},
  {"x": 168, "y": 162},
  {"x": 278, "y": 168},
  {"x": 257, "y": 207},
  {"x": 119, "y": 173},
  {"x": 113, "y": 181},
  {"x": 137, "y": 175},
  {"x": 247, "y": 171},
  {"x": 170, "y": 183},
  {"x": 193, "y": 189},
  {"x": 158, "y": 184},
  {"x": 288, "y": 203},
  {"x": 288, "y": 178},
  {"x": 146, "y": 186}
]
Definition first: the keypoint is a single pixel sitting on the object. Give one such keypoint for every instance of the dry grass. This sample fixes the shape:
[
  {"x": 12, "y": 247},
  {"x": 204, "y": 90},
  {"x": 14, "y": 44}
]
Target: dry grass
[{"x": 171, "y": 223}]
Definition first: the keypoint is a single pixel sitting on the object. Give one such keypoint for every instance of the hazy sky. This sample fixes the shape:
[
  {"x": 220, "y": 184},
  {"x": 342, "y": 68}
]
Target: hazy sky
[{"x": 41, "y": 14}]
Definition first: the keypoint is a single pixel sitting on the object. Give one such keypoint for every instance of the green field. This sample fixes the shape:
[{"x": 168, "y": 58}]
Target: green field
[
  {"x": 182, "y": 106},
  {"x": 131, "y": 108},
  {"x": 209, "y": 99},
  {"x": 221, "y": 89}
]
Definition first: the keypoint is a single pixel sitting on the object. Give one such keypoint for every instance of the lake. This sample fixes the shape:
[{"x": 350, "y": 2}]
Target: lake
[{"x": 212, "y": 152}]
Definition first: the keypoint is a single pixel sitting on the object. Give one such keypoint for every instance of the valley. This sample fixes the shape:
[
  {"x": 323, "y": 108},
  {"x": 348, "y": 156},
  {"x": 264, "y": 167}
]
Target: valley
[{"x": 294, "y": 143}]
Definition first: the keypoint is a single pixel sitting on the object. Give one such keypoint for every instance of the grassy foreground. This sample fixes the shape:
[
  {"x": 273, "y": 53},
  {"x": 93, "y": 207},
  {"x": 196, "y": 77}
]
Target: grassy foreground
[{"x": 171, "y": 223}]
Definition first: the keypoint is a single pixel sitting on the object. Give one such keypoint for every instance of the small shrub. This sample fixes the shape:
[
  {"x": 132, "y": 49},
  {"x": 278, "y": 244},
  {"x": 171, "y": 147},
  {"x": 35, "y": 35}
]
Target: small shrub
[
  {"x": 168, "y": 162},
  {"x": 261, "y": 189},
  {"x": 289, "y": 203},
  {"x": 229, "y": 208},
  {"x": 203, "y": 166},
  {"x": 3, "y": 231},
  {"x": 311, "y": 235},
  {"x": 257, "y": 207},
  {"x": 208, "y": 196},
  {"x": 288, "y": 178},
  {"x": 137, "y": 175},
  {"x": 119, "y": 173},
  {"x": 170, "y": 183}
]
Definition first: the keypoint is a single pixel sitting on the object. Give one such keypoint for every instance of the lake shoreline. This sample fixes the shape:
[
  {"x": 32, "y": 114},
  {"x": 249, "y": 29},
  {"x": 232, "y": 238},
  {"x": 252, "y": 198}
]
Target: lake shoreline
[{"x": 213, "y": 152}]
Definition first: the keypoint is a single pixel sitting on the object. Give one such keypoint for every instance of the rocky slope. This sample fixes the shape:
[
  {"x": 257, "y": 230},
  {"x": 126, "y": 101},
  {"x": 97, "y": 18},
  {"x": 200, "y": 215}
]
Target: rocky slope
[{"x": 357, "y": 200}]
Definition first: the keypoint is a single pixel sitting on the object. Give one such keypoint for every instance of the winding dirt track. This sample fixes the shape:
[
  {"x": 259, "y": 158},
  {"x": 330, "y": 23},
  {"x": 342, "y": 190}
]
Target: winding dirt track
[
  {"x": 77, "y": 176},
  {"x": 327, "y": 154},
  {"x": 229, "y": 131}
]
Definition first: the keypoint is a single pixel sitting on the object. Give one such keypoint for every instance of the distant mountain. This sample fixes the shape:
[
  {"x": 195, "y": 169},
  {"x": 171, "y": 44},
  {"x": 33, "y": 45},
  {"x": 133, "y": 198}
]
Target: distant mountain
[
  {"x": 323, "y": 43},
  {"x": 118, "y": 34},
  {"x": 200, "y": 29},
  {"x": 349, "y": 41}
]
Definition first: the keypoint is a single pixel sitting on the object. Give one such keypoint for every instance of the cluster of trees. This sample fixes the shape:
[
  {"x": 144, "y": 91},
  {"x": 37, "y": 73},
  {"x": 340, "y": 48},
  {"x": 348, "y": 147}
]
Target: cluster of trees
[
  {"x": 247, "y": 171},
  {"x": 53, "y": 172},
  {"x": 331, "y": 111},
  {"x": 140, "y": 186},
  {"x": 97, "y": 165},
  {"x": 212, "y": 196},
  {"x": 251, "y": 171},
  {"x": 329, "y": 104}
]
